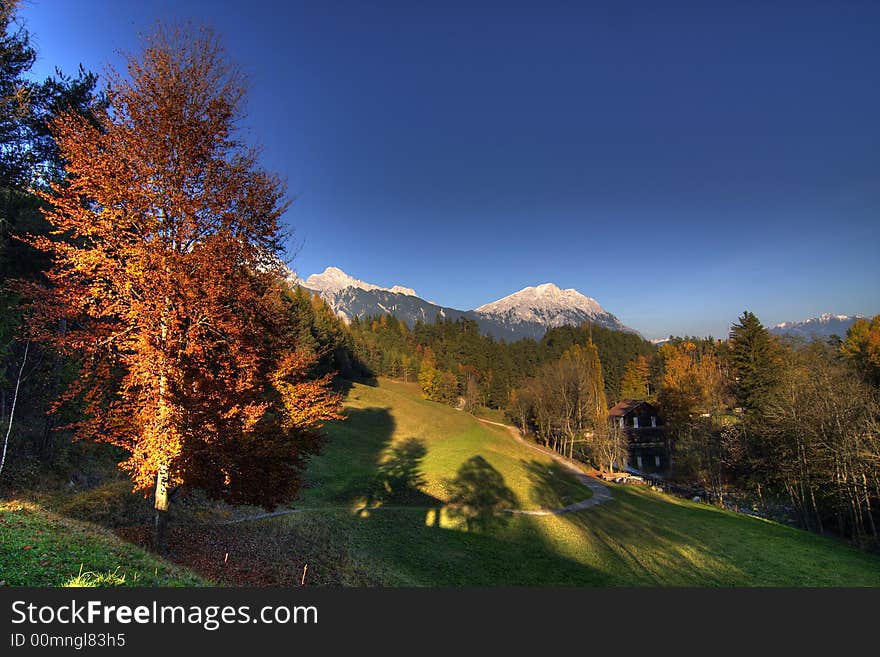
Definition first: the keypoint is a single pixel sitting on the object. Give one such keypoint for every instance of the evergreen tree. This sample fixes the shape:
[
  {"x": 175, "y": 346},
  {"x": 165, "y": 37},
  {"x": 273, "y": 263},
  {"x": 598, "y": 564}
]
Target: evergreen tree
[
  {"x": 16, "y": 58},
  {"x": 754, "y": 362},
  {"x": 29, "y": 159}
]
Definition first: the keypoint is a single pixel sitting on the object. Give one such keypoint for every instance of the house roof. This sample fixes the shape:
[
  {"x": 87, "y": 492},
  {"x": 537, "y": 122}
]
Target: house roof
[{"x": 626, "y": 406}]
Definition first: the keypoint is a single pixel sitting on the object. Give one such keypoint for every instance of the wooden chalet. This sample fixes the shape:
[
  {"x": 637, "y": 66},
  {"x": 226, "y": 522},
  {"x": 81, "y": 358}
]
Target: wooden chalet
[{"x": 648, "y": 449}]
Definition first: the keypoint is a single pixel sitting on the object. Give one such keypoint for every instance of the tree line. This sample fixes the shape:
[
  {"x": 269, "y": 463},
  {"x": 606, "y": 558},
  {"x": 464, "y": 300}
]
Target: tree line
[
  {"x": 783, "y": 423},
  {"x": 460, "y": 362},
  {"x": 788, "y": 424}
]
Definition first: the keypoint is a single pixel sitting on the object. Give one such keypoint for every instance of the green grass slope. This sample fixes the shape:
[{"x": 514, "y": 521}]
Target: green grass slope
[
  {"x": 391, "y": 423},
  {"x": 639, "y": 538},
  {"x": 40, "y": 548}
]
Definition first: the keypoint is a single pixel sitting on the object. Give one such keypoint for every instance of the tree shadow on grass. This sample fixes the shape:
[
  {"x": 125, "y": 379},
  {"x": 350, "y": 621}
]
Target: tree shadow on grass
[
  {"x": 361, "y": 464},
  {"x": 345, "y": 471},
  {"x": 628, "y": 534},
  {"x": 479, "y": 496},
  {"x": 344, "y": 384},
  {"x": 415, "y": 538},
  {"x": 399, "y": 477},
  {"x": 553, "y": 485}
]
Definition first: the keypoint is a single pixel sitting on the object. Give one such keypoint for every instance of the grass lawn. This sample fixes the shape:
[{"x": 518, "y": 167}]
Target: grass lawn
[
  {"x": 639, "y": 538},
  {"x": 375, "y": 512},
  {"x": 391, "y": 422},
  {"x": 492, "y": 414},
  {"x": 40, "y": 548}
]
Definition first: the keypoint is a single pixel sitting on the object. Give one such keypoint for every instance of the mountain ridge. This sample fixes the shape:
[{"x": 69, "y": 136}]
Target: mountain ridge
[
  {"x": 333, "y": 279},
  {"x": 823, "y": 326},
  {"x": 527, "y": 313}
]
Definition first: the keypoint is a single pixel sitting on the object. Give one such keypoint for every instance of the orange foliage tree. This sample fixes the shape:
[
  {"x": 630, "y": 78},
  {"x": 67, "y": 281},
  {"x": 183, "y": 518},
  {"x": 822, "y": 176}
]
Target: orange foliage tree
[
  {"x": 693, "y": 382},
  {"x": 166, "y": 270},
  {"x": 862, "y": 346}
]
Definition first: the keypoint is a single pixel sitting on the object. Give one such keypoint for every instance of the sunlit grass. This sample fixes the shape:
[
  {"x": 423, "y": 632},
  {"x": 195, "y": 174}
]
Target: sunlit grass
[
  {"x": 393, "y": 412},
  {"x": 40, "y": 548},
  {"x": 89, "y": 579},
  {"x": 641, "y": 537}
]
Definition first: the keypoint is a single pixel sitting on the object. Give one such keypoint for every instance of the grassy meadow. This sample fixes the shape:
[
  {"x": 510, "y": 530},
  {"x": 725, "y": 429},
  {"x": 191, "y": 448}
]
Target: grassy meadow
[
  {"x": 390, "y": 427},
  {"x": 41, "y": 548},
  {"x": 641, "y": 537},
  {"x": 374, "y": 512}
]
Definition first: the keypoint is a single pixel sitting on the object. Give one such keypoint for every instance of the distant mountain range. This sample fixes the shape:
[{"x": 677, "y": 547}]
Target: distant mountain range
[
  {"x": 821, "y": 327},
  {"x": 524, "y": 314}
]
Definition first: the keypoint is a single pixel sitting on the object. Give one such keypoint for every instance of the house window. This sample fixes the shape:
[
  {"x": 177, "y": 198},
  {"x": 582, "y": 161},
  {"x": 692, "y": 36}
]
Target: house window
[
  {"x": 657, "y": 461},
  {"x": 635, "y": 422},
  {"x": 653, "y": 421},
  {"x": 639, "y": 462}
]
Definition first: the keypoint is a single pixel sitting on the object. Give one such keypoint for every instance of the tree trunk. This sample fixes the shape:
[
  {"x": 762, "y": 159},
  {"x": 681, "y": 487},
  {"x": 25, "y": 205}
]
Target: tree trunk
[
  {"x": 161, "y": 501},
  {"x": 160, "y": 506},
  {"x": 47, "y": 443},
  {"x": 870, "y": 511},
  {"x": 816, "y": 511},
  {"x": 12, "y": 410}
]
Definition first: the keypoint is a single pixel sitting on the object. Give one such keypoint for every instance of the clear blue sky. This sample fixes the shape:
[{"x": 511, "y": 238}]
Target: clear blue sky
[{"x": 679, "y": 164}]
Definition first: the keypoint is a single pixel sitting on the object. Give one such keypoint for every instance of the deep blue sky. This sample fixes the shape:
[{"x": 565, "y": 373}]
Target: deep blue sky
[{"x": 679, "y": 164}]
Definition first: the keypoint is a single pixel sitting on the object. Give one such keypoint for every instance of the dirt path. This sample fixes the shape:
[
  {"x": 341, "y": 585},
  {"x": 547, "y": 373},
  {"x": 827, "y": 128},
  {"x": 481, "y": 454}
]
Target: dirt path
[{"x": 600, "y": 491}]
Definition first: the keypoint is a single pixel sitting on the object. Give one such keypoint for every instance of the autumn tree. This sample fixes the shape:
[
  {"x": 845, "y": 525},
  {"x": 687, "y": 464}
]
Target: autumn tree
[
  {"x": 446, "y": 388},
  {"x": 167, "y": 274},
  {"x": 608, "y": 445},
  {"x": 520, "y": 408},
  {"x": 472, "y": 391},
  {"x": 429, "y": 374},
  {"x": 862, "y": 347},
  {"x": 634, "y": 384},
  {"x": 818, "y": 443},
  {"x": 692, "y": 382},
  {"x": 565, "y": 400}
]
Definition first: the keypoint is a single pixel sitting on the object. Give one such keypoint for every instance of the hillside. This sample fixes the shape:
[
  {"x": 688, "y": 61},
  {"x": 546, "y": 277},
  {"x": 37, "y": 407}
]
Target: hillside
[
  {"x": 41, "y": 548},
  {"x": 375, "y": 511},
  {"x": 639, "y": 538},
  {"x": 426, "y": 441}
]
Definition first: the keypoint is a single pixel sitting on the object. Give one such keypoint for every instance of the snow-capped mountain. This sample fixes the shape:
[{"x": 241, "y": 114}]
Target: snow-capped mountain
[
  {"x": 527, "y": 313},
  {"x": 535, "y": 309},
  {"x": 333, "y": 280},
  {"x": 820, "y": 327}
]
